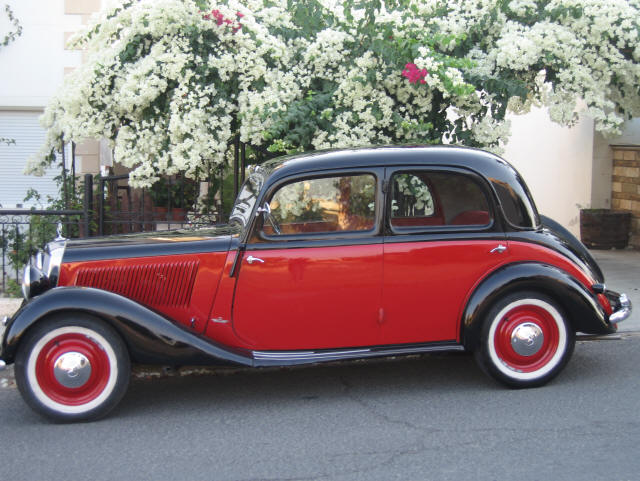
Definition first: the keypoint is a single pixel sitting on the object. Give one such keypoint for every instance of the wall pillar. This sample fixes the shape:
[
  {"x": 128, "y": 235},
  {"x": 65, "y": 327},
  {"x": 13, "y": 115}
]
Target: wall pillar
[
  {"x": 88, "y": 151},
  {"x": 625, "y": 186}
]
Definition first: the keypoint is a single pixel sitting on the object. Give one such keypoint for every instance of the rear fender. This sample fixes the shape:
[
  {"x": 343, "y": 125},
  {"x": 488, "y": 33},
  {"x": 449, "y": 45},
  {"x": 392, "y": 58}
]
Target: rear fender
[{"x": 582, "y": 307}]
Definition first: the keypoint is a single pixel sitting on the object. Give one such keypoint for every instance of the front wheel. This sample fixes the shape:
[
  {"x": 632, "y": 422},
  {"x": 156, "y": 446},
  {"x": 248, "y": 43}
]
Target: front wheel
[
  {"x": 526, "y": 340},
  {"x": 72, "y": 367}
]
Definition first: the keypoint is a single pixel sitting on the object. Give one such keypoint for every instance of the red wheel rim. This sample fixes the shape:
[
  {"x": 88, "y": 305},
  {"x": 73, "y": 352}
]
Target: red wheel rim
[
  {"x": 72, "y": 343},
  {"x": 515, "y": 318}
]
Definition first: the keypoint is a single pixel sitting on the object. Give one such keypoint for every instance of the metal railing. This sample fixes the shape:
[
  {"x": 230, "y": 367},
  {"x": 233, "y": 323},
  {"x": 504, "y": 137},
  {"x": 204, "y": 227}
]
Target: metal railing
[
  {"x": 23, "y": 232},
  {"x": 109, "y": 207}
]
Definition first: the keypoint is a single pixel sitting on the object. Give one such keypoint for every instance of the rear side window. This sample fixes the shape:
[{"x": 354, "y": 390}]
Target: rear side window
[
  {"x": 423, "y": 198},
  {"x": 325, "y": 204},
  {"x": 516, "y": 203}
]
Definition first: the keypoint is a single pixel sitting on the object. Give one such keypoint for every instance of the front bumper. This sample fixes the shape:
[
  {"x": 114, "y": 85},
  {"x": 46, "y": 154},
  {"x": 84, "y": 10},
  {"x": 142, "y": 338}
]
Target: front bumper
[{"x": 621, "y": 306}]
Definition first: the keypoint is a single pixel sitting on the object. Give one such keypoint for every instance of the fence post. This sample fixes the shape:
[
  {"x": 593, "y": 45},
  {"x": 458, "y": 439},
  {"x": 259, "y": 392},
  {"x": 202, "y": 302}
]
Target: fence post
[
  {"x": 236, "y": 168},
  {"x": 16, "y": 246},
  {"x": 243, "y": 161},
  {"x": 88, "y": 203},
  {"x": 101, "y": 207},
  {"x": 4, "y": 257}
]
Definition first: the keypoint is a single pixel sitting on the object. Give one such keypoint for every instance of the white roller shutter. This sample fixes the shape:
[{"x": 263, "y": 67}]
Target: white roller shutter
[{"x": 24, "y": 128}]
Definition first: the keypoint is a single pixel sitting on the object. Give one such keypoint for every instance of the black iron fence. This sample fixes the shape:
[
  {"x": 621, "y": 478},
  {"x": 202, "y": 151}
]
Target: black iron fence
[
  {"x": 108, "y": 206},
  {"x": 22, "y": 233}
]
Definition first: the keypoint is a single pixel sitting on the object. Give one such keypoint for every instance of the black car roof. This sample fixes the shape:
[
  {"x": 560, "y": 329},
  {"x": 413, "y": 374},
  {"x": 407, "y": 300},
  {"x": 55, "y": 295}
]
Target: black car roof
[
  {"x": 497, "y": 171},
  {"x": 485, "y": 163}
]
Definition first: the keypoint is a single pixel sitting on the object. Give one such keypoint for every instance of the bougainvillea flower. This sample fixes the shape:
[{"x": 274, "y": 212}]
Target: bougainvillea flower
[{"x": 414, "y": 74}]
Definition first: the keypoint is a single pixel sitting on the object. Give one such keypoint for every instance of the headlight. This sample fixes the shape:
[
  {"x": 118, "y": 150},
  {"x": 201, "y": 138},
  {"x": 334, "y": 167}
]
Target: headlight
[
  {"x": 26, "y": 282},
  {"x": 34, "y": 281},
  {"x": 43, "y": 269}
]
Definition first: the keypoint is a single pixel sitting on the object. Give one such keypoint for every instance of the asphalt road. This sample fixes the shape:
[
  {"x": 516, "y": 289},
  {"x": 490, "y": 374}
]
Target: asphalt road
[{"x": 430, "y": 417}]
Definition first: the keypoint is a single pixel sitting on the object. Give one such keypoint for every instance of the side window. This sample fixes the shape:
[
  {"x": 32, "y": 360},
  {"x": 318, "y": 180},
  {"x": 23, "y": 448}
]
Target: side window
[
  {"x": 327, "y": 204},
  {"x": 422, "y": 198}
]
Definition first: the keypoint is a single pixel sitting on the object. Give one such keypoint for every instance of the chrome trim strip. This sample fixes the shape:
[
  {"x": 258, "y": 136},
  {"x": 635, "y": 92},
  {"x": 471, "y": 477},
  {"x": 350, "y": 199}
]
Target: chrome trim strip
[
  {"x": 312, "y": 356},
  {"x": 624, "y": 312},
  {"x": 296, "y": 355}
]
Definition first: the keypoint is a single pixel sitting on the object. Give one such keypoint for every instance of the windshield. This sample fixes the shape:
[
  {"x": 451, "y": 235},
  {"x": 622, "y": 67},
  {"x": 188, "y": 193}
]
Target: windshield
[{"x": 246, "y": 199}]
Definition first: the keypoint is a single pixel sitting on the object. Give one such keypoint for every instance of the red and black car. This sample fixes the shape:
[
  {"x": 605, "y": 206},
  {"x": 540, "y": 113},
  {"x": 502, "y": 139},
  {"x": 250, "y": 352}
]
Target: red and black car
[{"x": 327, "y": 256}]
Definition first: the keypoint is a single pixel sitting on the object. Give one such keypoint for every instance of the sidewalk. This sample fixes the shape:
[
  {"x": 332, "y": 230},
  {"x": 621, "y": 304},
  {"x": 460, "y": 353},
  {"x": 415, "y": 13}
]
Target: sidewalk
[
  {"x": 621, "y": 271},
  {"x": 622, "y": 274}
]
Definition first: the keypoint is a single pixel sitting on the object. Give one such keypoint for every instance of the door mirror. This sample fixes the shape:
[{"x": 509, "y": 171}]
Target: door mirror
[{"x": 265, "y": 210}]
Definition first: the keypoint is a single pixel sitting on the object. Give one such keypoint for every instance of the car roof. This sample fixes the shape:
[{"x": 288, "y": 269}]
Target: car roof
[
  {"x": 480, "y": 161},
  {"x": 504, "y": 178}
]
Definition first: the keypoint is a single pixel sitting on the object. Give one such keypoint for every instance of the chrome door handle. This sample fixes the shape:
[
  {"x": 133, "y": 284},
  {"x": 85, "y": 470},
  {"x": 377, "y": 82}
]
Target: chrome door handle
[
  {"x": 252, "y": 259},
  {"x": 500, "y": 249}
]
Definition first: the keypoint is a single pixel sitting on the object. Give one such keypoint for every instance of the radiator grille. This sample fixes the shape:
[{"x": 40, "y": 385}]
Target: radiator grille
[{"x": 166, "y": 284}]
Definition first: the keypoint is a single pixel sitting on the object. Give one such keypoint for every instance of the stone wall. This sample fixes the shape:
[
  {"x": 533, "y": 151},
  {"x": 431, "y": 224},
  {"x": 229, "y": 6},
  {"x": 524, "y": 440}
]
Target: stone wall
[{"x": 625, "y": 187}]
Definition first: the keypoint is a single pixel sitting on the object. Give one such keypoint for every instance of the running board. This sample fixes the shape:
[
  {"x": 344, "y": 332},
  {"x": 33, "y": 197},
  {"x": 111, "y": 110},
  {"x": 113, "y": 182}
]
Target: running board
[{"x": 289, "y": 358}]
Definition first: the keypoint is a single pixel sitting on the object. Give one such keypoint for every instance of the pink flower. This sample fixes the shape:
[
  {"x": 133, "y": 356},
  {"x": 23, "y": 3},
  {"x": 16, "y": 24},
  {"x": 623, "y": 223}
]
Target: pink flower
[
  {"x": 218, "y": 16},
  {"x": 220, "y": 19},
  {"x": 414, "y": 74}
]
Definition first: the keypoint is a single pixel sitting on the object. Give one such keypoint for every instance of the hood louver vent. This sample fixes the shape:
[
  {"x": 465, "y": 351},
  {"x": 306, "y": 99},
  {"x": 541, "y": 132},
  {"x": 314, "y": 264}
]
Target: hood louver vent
[{"x": 165, "y": 284}]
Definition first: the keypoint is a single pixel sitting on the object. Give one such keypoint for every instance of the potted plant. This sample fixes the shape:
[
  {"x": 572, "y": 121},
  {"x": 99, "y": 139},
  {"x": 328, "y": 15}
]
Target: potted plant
[
  {"x": 183, "y": 196},
  {"x": 605, "y": 228},
  {"x": 173, "y": 197},
  {"x": 159, "y": 193}
]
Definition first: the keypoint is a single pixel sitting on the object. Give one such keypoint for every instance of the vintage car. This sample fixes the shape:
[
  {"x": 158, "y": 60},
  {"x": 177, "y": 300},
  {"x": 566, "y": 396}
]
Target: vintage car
[{"x": 327, "y": 256}]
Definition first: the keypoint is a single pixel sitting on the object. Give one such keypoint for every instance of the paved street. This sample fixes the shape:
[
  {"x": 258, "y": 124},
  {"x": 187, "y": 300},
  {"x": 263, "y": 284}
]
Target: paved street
[
  {"x": 431, "y": 417},
  {"x": 434, "y": 417}
]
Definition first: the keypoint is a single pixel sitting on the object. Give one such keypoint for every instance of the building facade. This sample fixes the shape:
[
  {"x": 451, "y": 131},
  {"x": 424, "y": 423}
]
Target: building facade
[{"x": 33, "y": 68}]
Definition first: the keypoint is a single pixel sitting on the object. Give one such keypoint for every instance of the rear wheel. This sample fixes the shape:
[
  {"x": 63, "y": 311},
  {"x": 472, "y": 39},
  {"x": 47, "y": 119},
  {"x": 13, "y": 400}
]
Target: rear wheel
[
  {"x": 526, "y": 340},
  {"x": 73, "y": 367}
]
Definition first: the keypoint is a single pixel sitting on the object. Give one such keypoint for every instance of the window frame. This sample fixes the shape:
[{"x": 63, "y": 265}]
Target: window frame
[
  {"x": 258, "y": 236},
  {"x": 390, "y": 229}
]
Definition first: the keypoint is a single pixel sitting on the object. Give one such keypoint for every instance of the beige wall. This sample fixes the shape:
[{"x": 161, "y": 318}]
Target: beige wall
[
  {"x": 557, "y": 164},
  {"x": 33, "y": 65},
  {"x": 88, "y": 152}
]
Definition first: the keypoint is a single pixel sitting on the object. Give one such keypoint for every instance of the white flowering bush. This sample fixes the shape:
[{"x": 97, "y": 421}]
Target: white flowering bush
[
  {"x": 171, "y": 83},
  {"x": 413, "y": 187}
]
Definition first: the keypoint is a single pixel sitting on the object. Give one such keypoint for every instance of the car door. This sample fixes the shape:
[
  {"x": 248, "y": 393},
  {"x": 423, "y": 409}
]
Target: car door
[
  {"x": 441, "y": 238},
  {"x": 311, "y": 274}
]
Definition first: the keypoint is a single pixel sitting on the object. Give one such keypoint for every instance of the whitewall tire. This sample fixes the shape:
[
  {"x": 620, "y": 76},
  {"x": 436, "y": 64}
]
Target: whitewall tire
[
  {"x": 526, "y": 340},
  {"x": 72, "y": 367}
]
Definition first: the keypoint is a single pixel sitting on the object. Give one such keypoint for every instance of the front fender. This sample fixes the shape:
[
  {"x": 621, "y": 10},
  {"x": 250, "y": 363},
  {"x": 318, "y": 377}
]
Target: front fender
[
  {"x": 581, "y": 306},
  {"x": 150, "y": 336}
]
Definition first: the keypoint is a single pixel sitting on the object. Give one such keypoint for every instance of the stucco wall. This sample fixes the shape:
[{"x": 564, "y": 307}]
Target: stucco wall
[
  {"x": 630, "y": 135},
  {"x": 33, "y": 65},
  {"x": 556, "y": 162}
]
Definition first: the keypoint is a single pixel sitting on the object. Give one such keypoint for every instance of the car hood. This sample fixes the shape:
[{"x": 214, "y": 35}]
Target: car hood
[{"x": 151, "y": 244}]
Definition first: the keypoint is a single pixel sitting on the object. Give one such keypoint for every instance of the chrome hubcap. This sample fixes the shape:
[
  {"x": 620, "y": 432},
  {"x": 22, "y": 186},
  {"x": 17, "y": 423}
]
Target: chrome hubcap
[
  {"x": 72, "y": 369},
  {"x": 527, "y": 339}
]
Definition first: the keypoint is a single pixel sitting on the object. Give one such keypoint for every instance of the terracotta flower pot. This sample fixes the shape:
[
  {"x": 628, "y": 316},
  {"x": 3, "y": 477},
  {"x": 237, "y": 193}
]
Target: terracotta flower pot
[
  {"x": 160, "y": 213},
  {"x": 178, "y": 214},
  {"x": 605, "y": 228}
]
